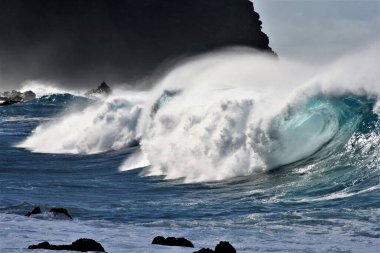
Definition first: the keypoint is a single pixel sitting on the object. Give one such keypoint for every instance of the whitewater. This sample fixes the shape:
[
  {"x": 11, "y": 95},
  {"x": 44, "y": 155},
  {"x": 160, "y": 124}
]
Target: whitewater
[
  {"x": 268, "y": 153},
  {"x": 222, "y": 115}
]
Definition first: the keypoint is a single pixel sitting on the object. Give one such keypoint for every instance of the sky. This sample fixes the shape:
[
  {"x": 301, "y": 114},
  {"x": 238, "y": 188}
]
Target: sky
[
  {"x": 311, "y": 31},
  {"x": 319, "y": 31}
]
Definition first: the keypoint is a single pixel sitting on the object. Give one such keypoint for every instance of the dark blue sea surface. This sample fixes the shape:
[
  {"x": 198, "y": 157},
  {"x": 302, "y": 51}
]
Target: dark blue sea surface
[{"x": 325, "y": 202}]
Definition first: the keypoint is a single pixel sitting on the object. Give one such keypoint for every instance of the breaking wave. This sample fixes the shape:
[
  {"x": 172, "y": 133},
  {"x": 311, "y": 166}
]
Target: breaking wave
[
  {"x": 106, "y": 124},
  {"x": 229, "y": 114}
]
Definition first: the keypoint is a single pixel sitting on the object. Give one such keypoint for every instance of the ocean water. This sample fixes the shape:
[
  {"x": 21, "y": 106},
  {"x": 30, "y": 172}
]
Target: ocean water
[{"x": 270, "y": 155}]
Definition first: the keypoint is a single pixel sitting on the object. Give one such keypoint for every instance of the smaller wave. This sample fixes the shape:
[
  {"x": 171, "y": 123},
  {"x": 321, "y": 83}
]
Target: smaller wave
[
  {"x": 23, "y": 119},
  {"x": 339, "y": 195},
  {"x": 44, "y": 89},
  {"x": 135, "y": 161},
  {"x": 60, "y": 98}
]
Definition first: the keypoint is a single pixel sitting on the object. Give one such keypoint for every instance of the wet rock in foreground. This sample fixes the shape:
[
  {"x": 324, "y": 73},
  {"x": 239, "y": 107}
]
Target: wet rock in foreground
[
  {"x": 36, "y": 210},
  {"x": 203, "y": 250},
  {"x": 172, "y": 241},
  {"x": 82, "y": 245},
  {"x": 222, "y": 247},
  {"x": 60, "y": 210}
]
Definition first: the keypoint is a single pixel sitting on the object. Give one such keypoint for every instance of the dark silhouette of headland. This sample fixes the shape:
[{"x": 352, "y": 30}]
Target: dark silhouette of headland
[{"x": 79, "y": 42}]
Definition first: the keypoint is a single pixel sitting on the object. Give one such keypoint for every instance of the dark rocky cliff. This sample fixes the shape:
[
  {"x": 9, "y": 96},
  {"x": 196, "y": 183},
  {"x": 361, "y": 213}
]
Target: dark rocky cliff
[{"x": 84, "y": 41}]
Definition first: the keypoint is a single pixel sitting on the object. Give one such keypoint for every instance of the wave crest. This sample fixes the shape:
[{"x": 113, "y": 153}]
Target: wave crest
[{"x": 106, "y": 125}]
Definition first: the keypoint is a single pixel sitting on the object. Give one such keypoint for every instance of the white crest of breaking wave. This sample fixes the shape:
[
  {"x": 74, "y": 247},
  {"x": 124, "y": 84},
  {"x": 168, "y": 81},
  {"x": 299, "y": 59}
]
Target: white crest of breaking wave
[
  {"x": 230, "y": 118},
  {"x": 109, "y": 124}
]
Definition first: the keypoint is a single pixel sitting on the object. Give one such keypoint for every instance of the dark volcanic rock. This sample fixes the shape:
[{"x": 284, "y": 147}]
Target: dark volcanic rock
[
  {"x": 86, "y": 245},
  {"x": 203, "y": 250},
  {"x": 10, "y": 97},
  {"x": 36, "y": 210},
  {"x": 60, "y": 210},
  {"x": 172, "y": 241},
  {"x": 118, "y": 40},
  {"x": 103, "y": 88},
  {"x": 9, "y": 102},
  {"x": 224, "y": 247},
  {"x": 82, "y": 245}
]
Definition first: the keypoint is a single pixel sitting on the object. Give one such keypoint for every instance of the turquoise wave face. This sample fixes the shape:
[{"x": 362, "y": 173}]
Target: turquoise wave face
[
  {"x": 332, "y": 147},
  {"x": 317, "y": 128}
]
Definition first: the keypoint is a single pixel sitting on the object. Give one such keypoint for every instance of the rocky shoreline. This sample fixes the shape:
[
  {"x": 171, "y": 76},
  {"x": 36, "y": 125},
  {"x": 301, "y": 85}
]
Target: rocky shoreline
[
  {"x": 86, "y": 244},
  {"x": 13, "y": 97}
]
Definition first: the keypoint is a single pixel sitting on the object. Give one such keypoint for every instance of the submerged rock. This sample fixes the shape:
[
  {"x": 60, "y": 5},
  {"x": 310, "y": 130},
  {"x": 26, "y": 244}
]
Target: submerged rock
[
  {"x": 203, "y": 250},
  {"x": 60, "y": 210},
  {"x": 222, "y": 247},
  {"x": 36, "y": 210},
  {"x": 82, "y": 245},
  {"x": 103, "y": 89},
  {"x": 172, "y": 241}
]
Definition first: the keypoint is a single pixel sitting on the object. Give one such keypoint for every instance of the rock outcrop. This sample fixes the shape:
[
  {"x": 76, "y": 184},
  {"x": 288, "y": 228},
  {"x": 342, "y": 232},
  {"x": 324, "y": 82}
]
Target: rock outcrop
[
  {"x": 82, "y": 245},
  {"x": 13, "y": 97},
  {"x": 102, "y": 89},
  {"x": 172, "y": 241},
  {"x": 54, "y": 210},
  {"x": 60, "y": 210},
  {"x": 118, "y": 40},
  {"x": 36, "y": 210},
  {"x": 222, "y": 247}
]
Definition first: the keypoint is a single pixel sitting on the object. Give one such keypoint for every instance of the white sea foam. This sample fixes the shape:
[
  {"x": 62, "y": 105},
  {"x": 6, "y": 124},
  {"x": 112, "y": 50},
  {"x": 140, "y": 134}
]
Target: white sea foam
[
  {"x": 134, "y": 161},
  {"x": 235, "y": 115},
  {"x": 109, "y": 124}
]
